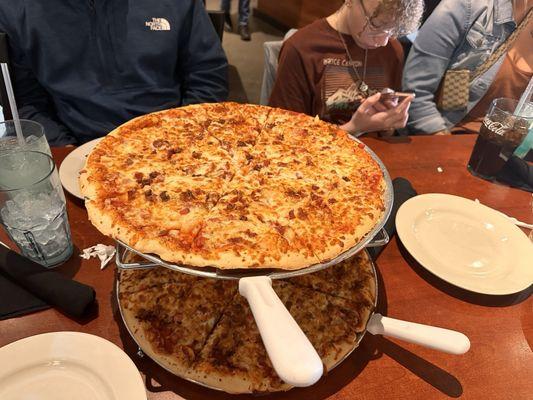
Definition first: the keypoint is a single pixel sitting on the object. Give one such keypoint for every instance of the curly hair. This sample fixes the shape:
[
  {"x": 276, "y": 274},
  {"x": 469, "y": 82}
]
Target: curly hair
[{"x": 406, "y": 14}]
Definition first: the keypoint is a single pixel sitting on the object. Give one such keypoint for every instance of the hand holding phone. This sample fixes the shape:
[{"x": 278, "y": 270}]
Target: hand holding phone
[{"x": 373, "y": 115}]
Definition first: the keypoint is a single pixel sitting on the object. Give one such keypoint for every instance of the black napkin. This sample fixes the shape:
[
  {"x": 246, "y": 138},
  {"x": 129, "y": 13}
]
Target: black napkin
[
  {"x": 403, "y": 191},
  {"x": 26, "y": 286},
  {"x": 15, "y": 301},
  {"x": 517, "y": 173}
]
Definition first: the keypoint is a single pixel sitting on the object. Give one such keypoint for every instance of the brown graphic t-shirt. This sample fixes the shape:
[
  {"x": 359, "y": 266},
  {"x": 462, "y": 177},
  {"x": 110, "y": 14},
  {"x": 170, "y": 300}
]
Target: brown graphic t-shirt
[{"x": 316, "y": 77}]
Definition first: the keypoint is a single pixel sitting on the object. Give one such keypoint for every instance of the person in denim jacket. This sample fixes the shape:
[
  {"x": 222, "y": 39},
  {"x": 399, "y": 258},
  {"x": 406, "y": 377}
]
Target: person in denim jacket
[{"x": 460, "y": 34}]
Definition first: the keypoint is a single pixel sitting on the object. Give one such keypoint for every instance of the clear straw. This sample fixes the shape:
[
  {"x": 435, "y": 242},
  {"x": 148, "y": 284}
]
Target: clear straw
[
  {"x": 524, "y": 99},
  {"x": 12, "y": 104},
  {"x": 520, "y": 111}
]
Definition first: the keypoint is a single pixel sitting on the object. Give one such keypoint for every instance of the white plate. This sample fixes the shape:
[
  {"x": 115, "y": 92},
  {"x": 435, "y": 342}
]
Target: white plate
[
  {"x": 466, "y": 243},
  {"x": 67, "y": 366},
  {"x": 71, "y": 166}
]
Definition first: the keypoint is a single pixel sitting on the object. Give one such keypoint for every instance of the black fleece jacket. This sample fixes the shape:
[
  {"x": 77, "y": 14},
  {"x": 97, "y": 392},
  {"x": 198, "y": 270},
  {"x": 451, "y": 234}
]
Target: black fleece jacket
[{"x": 82, "y": 67}]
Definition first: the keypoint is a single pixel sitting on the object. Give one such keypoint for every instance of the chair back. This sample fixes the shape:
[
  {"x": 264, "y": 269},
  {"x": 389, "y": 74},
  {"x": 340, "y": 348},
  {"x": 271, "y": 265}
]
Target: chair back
[
  {"x": 217, "y": 18},
  {"x": 270, "y": 66}
]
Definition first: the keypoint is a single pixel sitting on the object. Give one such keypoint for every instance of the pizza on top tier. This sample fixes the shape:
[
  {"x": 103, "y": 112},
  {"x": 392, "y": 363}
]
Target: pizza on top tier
[{"x": 233, "y": 186}]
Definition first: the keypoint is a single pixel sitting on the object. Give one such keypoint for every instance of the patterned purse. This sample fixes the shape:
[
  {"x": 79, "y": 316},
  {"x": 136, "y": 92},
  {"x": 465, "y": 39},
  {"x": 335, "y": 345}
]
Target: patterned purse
[{"x": 454, "y": 89}]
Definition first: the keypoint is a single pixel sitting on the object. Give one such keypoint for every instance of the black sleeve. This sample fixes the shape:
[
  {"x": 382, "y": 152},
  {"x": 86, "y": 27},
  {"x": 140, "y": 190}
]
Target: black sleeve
[
  {"x": 204, "y": 65},
  {"x": 34, "y": 103}
]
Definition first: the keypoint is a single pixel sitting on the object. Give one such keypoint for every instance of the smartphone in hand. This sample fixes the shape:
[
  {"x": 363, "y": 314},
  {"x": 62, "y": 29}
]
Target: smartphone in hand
[{"x": 395, "y": 97}]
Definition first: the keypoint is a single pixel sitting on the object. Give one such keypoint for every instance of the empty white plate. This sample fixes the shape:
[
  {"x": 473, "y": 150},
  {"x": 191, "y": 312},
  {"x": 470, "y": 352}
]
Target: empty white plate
[
  {"x": 67, "y": 366},
  {"x": 71, "y": 166},
  {"x": 466, "y": 243}
]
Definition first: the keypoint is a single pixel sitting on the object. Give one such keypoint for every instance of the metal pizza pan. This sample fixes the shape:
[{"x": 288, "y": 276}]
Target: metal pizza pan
[
  {"x": 142, "y": 352},
  {"x": 369, "y": 240}
]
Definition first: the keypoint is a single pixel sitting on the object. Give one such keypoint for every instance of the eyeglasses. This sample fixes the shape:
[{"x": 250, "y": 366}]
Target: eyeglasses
[{"x": 372, "y": 27}]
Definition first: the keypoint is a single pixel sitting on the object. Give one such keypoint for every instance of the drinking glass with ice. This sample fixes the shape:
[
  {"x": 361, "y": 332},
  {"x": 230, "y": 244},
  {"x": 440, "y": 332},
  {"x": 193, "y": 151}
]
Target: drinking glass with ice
[
  {"x": 33, "y": 137},
  {"x": 33, "y": 207}
]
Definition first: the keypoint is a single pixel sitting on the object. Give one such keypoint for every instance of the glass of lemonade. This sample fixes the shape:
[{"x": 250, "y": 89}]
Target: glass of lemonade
[
  {"x": 33, "y": 208},
  {"x": 500, "y": 134},
  {"x": 34, "y": 137}
]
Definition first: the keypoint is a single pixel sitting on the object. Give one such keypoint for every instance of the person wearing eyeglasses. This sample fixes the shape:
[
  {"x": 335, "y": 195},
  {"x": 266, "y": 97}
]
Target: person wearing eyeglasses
[{"x": 337, "y": 66}]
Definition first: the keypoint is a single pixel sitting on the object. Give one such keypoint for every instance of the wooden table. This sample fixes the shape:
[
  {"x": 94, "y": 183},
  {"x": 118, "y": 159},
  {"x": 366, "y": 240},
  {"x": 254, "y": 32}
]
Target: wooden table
[{"x": 499, "y": 364}]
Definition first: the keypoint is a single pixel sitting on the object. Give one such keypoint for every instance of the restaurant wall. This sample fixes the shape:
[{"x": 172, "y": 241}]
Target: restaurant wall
[{"x": 295, "y": 13}]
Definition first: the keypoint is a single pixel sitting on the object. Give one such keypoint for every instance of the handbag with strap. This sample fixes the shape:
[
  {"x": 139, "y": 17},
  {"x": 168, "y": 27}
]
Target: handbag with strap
[{"x": 454, "y": 89}]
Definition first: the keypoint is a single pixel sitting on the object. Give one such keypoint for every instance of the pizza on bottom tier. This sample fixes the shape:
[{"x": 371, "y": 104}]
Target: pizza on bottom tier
[
  {"x": 203, "y": 330},
  {"x": 233, "y": 186}
]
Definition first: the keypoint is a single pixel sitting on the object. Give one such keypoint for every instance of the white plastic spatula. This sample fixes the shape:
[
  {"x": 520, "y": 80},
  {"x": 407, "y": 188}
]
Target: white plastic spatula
[
  {"x": 293, "y": 357},
  {"x": 432, "y": 337}
]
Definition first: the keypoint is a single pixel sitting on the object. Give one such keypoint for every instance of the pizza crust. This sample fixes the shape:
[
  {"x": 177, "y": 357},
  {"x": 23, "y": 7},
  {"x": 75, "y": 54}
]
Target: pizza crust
[
  {"x": 233, "y": 383},
  {"x": 137, "y": 331},
  {"x": 332, "y": 359}
]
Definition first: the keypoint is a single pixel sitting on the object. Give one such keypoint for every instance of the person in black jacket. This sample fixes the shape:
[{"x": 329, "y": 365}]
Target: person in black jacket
[{"x": 83, "y": 67}]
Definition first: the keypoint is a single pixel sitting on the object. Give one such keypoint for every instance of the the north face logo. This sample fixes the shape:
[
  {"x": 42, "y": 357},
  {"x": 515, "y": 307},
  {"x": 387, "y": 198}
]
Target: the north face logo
[{"x": 158, "y": 24}]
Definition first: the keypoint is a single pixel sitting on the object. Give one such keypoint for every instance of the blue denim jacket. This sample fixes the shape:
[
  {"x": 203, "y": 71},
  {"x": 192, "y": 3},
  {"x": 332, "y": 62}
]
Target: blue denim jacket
[{"x": 459, "y": 34}]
